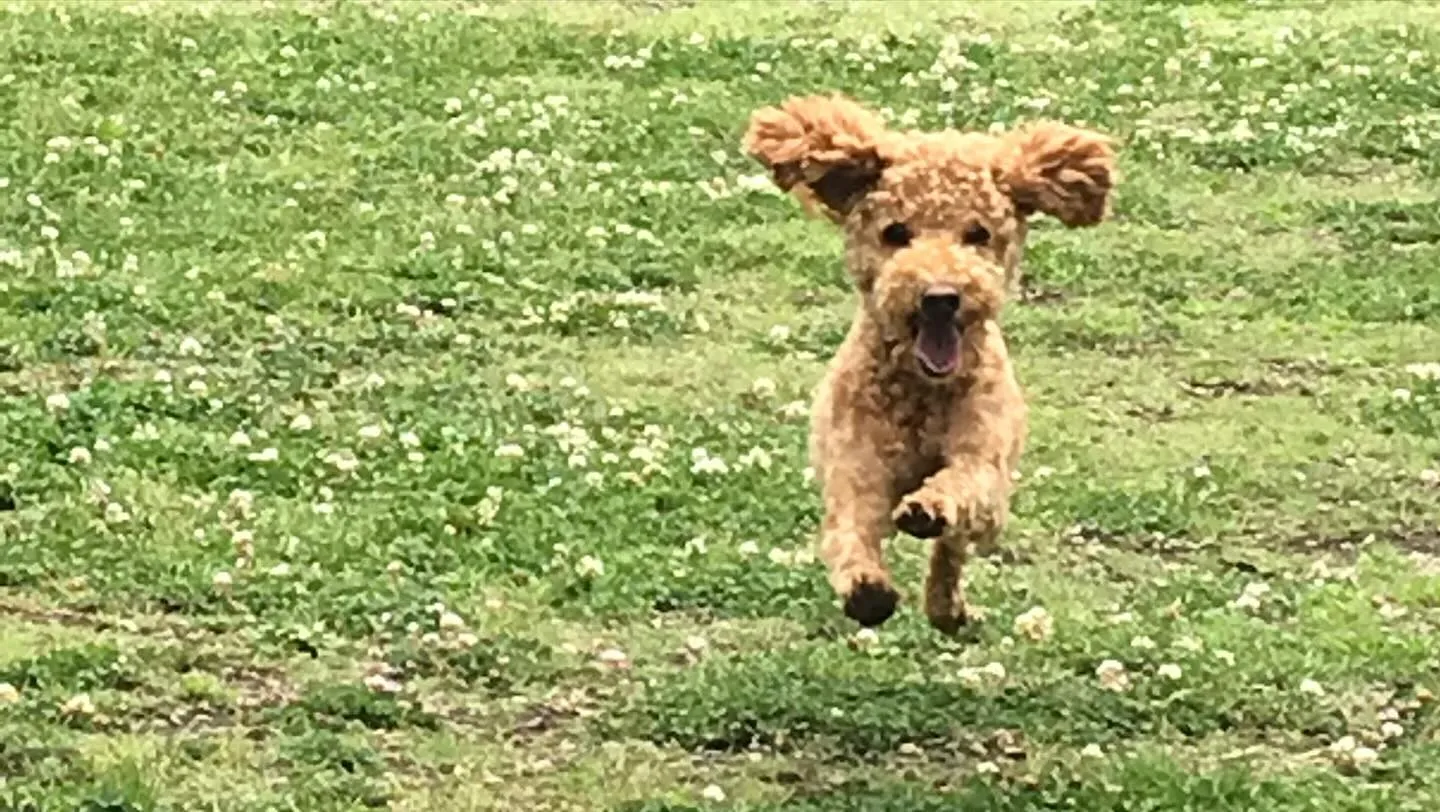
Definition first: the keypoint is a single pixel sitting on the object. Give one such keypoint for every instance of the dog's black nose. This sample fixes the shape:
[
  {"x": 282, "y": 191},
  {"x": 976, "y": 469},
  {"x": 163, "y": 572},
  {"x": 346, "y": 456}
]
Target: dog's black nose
[{"x": 940, "y": 303}]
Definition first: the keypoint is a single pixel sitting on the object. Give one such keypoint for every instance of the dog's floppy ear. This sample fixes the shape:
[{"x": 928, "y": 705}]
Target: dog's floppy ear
[
  {"x": 822, "y": 148},
  {"x": 1064, "y": 171}
]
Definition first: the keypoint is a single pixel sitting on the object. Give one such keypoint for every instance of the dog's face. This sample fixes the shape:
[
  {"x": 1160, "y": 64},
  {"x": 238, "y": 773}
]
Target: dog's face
[{"x": 934, "y": 222}]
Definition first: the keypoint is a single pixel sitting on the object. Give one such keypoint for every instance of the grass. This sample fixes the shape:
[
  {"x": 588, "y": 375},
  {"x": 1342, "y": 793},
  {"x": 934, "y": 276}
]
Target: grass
[{"x": 357, "y": 359}]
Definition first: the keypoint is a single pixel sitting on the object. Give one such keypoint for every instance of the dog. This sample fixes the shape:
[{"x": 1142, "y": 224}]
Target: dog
[{"x": 920, "y": 422}]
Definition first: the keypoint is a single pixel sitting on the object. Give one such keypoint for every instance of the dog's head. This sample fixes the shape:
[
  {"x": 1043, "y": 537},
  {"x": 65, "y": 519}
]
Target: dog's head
[{"x": 934, "y": 221}]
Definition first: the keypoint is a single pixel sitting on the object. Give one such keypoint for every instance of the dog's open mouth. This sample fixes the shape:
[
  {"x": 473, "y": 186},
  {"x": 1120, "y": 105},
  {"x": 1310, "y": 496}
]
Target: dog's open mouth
[{"x": 937, "y": 346}]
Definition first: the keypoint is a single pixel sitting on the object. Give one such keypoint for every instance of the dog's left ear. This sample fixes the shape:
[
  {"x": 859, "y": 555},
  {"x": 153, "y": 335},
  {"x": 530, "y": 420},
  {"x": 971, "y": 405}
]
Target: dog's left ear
[
  {"x": 822, "y": 148},
  {"x": 1064, "y": 171}
]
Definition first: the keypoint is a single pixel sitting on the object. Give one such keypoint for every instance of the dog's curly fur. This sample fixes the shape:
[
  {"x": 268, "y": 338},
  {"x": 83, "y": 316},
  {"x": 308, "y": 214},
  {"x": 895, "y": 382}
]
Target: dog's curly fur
[{"x": 897, "y": 443}]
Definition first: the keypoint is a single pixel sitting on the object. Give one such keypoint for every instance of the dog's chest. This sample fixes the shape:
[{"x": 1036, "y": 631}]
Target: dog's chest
[{"x": 920, "y": 424}]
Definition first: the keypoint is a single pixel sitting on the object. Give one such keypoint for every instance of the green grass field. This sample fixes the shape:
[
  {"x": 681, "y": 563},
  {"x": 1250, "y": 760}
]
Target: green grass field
[{"x": 404, "y": 405}]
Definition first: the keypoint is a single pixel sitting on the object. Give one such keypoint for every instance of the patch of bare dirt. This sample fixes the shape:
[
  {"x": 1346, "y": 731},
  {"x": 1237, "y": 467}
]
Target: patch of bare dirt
[
  {"x": 1266, "y": 386},
  {"x": 1424, "y": 540}
]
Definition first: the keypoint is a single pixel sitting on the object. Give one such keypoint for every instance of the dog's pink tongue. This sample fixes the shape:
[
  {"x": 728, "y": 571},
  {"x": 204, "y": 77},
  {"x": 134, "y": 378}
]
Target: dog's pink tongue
[{"x": 938, "y": 347}]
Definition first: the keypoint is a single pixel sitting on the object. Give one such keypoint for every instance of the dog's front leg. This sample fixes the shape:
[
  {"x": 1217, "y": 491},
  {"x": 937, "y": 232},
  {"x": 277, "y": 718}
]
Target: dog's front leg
[
  {"x": 857, "y": 521},
  {"x": 967, "y": 501},
  {"x": 963, "y": 504}
]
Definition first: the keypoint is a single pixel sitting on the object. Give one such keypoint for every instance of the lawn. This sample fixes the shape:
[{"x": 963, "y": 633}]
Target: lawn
[{"x": 404, "y": 405}]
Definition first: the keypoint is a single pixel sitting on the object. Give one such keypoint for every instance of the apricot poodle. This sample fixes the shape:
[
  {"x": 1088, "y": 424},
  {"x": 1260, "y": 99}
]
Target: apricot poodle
[{"x": 920, "y": 421}]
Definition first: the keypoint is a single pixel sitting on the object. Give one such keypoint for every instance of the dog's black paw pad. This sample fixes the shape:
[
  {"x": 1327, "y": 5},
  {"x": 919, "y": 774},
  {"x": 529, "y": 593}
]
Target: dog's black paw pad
[
  {"x": 871, "y": 604},
  {"x": 917, "y": 521}
]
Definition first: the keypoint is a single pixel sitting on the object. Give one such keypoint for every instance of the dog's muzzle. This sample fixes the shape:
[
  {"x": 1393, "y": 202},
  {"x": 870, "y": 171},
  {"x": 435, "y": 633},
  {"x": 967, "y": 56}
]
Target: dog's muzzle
[{"x": 937, "y": 335}]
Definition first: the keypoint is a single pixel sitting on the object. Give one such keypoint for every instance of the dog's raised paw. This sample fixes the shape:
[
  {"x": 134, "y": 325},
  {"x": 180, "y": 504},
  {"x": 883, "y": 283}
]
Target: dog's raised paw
[
  {"x": 870, "y": 604},
  {"x": 914, "y": 519}
]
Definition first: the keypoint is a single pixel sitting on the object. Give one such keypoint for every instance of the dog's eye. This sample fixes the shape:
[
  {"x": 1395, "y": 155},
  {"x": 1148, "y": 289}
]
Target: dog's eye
[
  {"x": 976, "y": 235},
  {"x": 896, "y": 234}
]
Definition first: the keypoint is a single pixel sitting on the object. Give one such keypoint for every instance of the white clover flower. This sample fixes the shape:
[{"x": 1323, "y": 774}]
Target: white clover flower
[
  {"x": 865, "y": 638},
  {"x": 78, "y": 705},
  {"x": 795, "y": 410},
  {"x": 748, "y": 549},
  {"x": 1035, "y": 623},
  {"x": 1310, "y": 687},
  {"x": 1427, "y": 371},
  {"x": 57, "y": 402},
  {"x": 115, "y": 513},
  {"x": 301, "y": 422},
  {"x": 755, "y": 458},
  {"x": 1169, "y": 671},
  {"x": 241, "y": 502},
  {"x": 1363, "y": 757},
  {"x": 614, "y": 658},
  {"x": 589, "y": 567},
  {"x": 243, "y": 539},
  {"x": 1251, "y": 597},
  {"x": 9, "y": 695},
  {"x": 381, "y": 684},
  {"x": 1113, "y": 676},
  {"x": 371, "y": 432},
  {"x": 703, "y": 463},
  {"x": 80, "y": 455},
  {"x": 1190, "y": 643},
  {"x": 450, "y": 621},
  {"x": 510, "y": 451},
  {"x": 974, "y": 677},
  {"x": 222, "y": 581}
]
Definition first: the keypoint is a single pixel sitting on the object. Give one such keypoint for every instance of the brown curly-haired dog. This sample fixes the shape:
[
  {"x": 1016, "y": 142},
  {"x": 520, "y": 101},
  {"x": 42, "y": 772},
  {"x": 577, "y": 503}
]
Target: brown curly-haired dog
[{"x": 920, "y": 422}]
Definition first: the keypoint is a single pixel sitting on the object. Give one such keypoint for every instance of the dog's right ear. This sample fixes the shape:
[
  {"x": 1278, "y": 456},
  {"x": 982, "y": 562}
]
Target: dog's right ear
[{"x": 821, "y": 148}]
